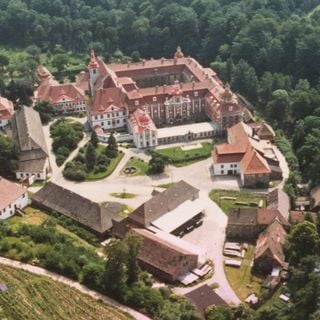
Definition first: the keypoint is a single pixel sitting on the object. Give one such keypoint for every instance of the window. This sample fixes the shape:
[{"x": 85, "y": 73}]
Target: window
[
  {"x": 136, "y": 102},
  {"x": 102, "y": 123},
  {"x": 118, "y": 121},
  {"x": 117, "y": 114},
  {"x": 196, "y": 93},
  {"x": 109, "y": 122},
  {"x": 154, "y": 99},
  {"x": 222, "y": 171},
  {"x": 231, "y": 165},
  {"x": 222, "y": 166}
]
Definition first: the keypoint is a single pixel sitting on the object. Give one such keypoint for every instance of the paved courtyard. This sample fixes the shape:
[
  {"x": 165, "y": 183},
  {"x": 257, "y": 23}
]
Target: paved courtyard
[{"x": 210, "y": 236}]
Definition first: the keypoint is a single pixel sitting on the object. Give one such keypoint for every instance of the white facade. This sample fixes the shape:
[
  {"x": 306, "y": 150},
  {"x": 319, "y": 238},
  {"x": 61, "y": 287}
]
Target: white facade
[
  {"x": 145, "y": 139},
  {"x": 41, "y": 175},
  {"x": 113, "y": 119},
  {"x": 66, "y": 105},
  {"x": 10, "y": 210},
  {"x": 224, "y": 169}
]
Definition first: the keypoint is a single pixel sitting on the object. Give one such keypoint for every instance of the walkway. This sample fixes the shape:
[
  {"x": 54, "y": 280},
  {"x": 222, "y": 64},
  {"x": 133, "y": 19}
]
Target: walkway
[{"x": 73, "y": 284}]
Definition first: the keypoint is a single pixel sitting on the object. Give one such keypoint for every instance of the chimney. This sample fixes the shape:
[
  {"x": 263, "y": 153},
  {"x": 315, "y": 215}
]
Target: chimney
[
  {"x": 128, "y": 65},
  {"x": 164, "y": 88},
  {"x": 193, "y": 84},
  {"x": 175, "y": 60},
  {"x": 157, "y": 87},
  {"x": 162, "y": 60}
]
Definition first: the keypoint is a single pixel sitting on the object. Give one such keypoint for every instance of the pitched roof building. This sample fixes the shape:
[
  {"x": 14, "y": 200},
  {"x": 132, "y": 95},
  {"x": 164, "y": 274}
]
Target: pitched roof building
[
  {"x": 6, "y": 111},
  {"x": 248, "y": 223},
  {"x": 166, "y": 256},
  {"x": 172, "y": 91},
  {"x": 204, "y": 297},
  {"x": 95, "y": 216},
  {"x": 28, "y": 135},
  {"x": 246, "y": 156},
  {"x": 66, "y": 98},
  {"x": 12, "y": 197},
  {"x": 269, "y": 251}
]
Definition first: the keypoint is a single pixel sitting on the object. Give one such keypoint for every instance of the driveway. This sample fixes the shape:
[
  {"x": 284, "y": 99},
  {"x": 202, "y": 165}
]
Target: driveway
[{"x": 73, "y": 284}]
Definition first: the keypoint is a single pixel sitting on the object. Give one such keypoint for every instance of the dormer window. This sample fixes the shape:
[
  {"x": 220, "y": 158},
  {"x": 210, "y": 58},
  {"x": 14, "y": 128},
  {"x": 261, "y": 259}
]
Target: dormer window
[
  {"x": 196, "y": 93},
  {"x": 136, "y": 103},
  {"x": 154, "y": 99}
]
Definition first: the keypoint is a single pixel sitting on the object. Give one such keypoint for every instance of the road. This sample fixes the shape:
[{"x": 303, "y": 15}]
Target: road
[
  {"x": 210, "y": 236},
  {"x": 73, "y": 284}
]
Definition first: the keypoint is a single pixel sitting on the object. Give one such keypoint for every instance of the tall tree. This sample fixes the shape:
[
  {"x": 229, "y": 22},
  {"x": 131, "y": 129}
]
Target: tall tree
[
  {"x": 9, "y": 156},
  {"x": 90, "y": 156},
  {"x": 133, "y": 243}
]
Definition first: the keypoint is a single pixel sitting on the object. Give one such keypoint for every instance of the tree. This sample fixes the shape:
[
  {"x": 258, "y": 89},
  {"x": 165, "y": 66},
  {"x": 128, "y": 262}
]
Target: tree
[
  {"x": 133, "y": 243},
  {"x": 90, "y": 156},
  {"x": 59, "y": 61},
  {"x": 157, "y": 163},
  {"x": 46, "y": 111},
  {"x": 112, "y": 147},
  {"x": 9, "y": 156},
  {"x": 219, "y": 313},
  {"x": 115, "y": 276},
  {"x": 278, "y": 107},
  {"x": 302, "y": 241},
  {"x": 94, "y": 139},
  {"x": 4, "y": 61}
]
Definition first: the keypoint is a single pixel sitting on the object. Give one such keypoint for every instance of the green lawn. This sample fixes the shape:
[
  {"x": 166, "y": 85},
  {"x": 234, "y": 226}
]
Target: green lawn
[
  {"x": 181, "y": 158},
  {"x": 141, "y": 166},
  {"x": 243, "y": 197},
  {"x": 34, "y": 216},
  {"x": 32, "y": 297},
  {"x": 241, "y": 280},
  {"x": 166, "y": 185}
]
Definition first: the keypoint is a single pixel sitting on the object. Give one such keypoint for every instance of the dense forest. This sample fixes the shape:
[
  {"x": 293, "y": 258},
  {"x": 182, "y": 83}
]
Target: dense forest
[{"x": 269, "y": 50}]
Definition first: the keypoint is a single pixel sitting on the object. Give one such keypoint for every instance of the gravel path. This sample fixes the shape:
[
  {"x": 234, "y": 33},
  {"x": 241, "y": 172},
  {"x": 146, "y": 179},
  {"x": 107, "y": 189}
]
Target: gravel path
[{"x": 56, "y": 277}]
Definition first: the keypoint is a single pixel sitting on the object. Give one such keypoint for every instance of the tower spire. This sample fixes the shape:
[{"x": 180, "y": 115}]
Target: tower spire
[{"x": 93, "y": 62}]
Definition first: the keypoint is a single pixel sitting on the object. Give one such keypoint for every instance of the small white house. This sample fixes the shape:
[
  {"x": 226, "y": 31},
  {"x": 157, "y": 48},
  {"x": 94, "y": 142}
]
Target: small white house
[{"x": 12, "y": 197}]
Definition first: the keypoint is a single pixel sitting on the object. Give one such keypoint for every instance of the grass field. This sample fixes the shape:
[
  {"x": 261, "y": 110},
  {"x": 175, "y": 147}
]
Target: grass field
[
  {"x": 181, "y": 158},
  {"x": 244, "y": 197},
  {"x": 31, "y": 297},
  {"x": 141, "y": 166},
  {"x": 35, "y": 216},
  {"x": 241, "y": 280}
]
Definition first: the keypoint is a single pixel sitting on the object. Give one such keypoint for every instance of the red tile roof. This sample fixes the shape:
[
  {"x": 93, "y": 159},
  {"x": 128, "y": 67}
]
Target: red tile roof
[
  {"x": 53, "y": 92},
  {"x": 105, "y": 99},
  {"x": 271, "y": 242},
  {"x": 9, "y": 192},
  {"x": 253, "y": 163},
  {"x": 6, "y": 109},
  {"x": 141, "y": 121}
]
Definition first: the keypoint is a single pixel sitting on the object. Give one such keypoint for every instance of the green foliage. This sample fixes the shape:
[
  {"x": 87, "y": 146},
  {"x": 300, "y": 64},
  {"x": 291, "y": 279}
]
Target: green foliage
[
  {"x": 112, "y": 147},
  {"x": 303, "y": 240},
  {"x": 90, "y": 156},
  {"x": 9, "y": 156},
  {"x": 46, "y": 111},
  {"x": 157, "y": 163},
  {"x": 94, "y": 139},
  {"x": 66, "y": 136},
  {"x": 219, "y": 313}
]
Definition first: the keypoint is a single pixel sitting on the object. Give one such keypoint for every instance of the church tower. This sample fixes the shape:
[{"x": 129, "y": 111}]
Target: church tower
[{"x": 93, "y": 68}]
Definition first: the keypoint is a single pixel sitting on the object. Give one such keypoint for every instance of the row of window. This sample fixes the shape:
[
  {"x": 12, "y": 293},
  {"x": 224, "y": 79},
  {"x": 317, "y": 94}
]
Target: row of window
[
  {"x": 116, "y": 121},
  {"x": 231, "y": 166},
  {"x": 110, "y": 115}
]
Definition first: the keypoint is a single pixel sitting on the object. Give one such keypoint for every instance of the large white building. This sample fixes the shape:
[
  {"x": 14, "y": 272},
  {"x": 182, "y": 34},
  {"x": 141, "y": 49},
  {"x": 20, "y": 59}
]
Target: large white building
[{"x": 12, "y": 197}]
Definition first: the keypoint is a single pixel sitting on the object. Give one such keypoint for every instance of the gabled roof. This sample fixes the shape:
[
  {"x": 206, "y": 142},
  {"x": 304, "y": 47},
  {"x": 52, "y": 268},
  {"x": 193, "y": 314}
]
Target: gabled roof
[
  {"x": 105, "y": 99},
  {"x": 266, "y": 216},
  {"x": 27, "y": 131},
  {"x": 86, "y": 212},
  {"x": 271, "y": 241},
  {"x": 9, "y": 192},
  {"x": 253, "y": 163},
  {"x": 160, "y": 253},
  {"x": 163, "y": 203},
  {"x": 6, "y": 109},
  {"x": 204, "y": 297},
  {"x": 265, "y": 130},
  {"x": 55, "y": 93}
]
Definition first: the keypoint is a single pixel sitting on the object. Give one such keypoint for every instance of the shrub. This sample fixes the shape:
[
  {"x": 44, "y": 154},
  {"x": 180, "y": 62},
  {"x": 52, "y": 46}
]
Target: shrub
[
  {"x": 100, "y": 168},
  {"x": 60, "y": 159},
  {"x": 64, "y": 151}
]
